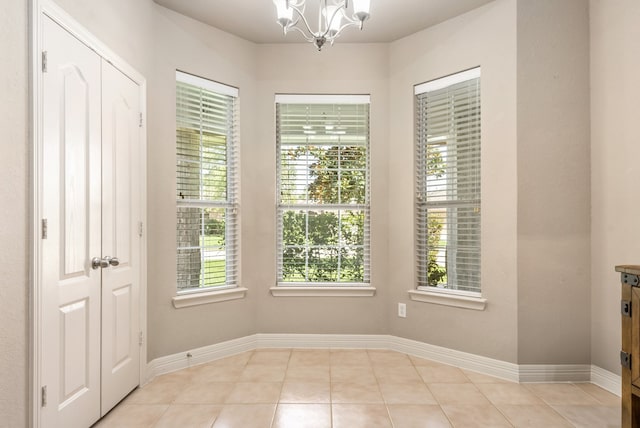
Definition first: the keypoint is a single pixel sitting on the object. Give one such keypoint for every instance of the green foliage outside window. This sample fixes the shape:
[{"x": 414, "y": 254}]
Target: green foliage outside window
[
  {"x": 325, "y": 245},
  {"x": 436, "y": 273}
]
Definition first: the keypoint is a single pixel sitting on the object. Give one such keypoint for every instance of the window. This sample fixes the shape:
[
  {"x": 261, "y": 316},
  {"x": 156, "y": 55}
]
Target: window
[
  {"x": 323, "y": 188},
  {"x": 448, "y": 183},
  {"x": 206, "y": 184}
]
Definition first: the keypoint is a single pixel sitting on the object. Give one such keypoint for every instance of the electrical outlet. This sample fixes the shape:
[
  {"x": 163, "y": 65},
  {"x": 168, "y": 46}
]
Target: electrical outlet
[{"x": 402, "y": 310}]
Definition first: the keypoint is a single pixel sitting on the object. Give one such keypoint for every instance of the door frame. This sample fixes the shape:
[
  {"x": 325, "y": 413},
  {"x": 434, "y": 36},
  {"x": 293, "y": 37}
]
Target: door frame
[{"x": 38, "y": 8}]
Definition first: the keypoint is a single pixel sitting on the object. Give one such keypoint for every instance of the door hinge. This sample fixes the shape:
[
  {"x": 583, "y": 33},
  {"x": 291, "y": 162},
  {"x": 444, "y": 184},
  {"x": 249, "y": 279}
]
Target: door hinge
[
  {"x": 625, "y": 308},
  {"x": 625, "y": 359},
  {"x": 140, "y": 339},
  {"x": 43, "y": 400},
  {"x": 44, "y": 228},
  {"x": 44, "y": 62},
  {"x": 140, "y": 120},
  {"x": 140, "y": 228}
]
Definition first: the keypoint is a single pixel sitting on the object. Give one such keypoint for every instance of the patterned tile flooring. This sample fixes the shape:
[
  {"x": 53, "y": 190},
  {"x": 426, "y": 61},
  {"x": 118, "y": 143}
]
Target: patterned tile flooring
[{"x": 297, "y": 388}]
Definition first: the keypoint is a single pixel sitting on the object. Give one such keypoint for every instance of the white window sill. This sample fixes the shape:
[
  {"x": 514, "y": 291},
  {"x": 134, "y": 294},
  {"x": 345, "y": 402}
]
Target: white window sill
[
  {"x": 205, "y": 297},
  {"x": 324, "y": 291},
  {"x": 448, "y": 299}
]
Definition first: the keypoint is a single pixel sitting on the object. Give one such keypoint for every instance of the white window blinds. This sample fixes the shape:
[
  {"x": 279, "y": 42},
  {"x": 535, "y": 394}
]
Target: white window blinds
[
  {"x": 323, "y": 187},
  {"x": 206, "y": 184},
  {"x": 448, "y": 182}
]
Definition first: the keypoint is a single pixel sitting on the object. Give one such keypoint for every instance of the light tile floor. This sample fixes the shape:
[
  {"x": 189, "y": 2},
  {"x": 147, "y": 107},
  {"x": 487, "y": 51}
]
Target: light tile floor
[{"x": 294, "y": 388}]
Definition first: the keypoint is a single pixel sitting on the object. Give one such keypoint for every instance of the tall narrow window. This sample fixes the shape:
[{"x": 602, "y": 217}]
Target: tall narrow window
[
  {"x": 448, "y": 183},
  {"x": 323, "y": 188},
  {"x": 206, "y": 184}
]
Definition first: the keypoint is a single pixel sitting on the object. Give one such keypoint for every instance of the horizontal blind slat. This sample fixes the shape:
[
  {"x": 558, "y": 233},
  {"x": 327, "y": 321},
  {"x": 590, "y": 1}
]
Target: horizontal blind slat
[
  {"x": 207, "y": 229},
  {"x": 323, "y": 188},
  {"x": 448, "y": 186}
]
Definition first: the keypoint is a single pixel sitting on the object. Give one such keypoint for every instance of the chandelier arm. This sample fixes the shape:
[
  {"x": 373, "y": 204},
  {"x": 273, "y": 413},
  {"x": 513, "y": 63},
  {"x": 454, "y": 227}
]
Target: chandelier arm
[
  {"x": 328, "y": 22},
  {"x": 322, "y": 5},
  {"x": 350, "y": 20},
  {"x": 348, "y": 24},
  {"x": 305, "y": 35},
  {"x": 304, "y": 20}
]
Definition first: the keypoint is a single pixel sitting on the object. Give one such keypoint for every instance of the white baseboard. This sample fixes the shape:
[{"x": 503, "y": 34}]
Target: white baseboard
[
  {"x": 181, "y": 360},
  {"x": 606, "y": 380},
  {"x": 328, "y": 341},
  {"x": 488, "y": 366},
  {"x": 463, "y": 360},
  {"x": 555, "y": 372}
]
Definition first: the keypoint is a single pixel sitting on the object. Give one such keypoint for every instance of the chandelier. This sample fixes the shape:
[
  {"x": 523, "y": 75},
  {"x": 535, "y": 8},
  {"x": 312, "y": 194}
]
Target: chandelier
[{"x": 333, "y": 17}]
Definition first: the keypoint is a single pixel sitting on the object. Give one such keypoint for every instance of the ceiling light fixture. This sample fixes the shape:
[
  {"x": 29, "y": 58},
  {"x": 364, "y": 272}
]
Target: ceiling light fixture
[{"x": 331, "y": 14}]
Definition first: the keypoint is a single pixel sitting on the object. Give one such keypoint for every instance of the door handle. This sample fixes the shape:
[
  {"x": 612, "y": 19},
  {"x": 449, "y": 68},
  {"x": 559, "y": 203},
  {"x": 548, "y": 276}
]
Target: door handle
[
  {"x": 105, "y": 262},
  {"x": 97, "y": 263}
]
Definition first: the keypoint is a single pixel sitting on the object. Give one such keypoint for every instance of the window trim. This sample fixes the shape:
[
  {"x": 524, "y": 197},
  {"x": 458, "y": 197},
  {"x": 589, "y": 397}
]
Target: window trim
[
  {"x": 216, "y": 293},
  {"x": 455, "y": 298},
  {"x": 190, "y": 298},
  {"x": 425, "y": 293},
  {"x": 443, "y": 82},
  {"x": 322, "y": 99},
  {"x": 329, "y": 289},
  {"x": 210, "y": 85}
]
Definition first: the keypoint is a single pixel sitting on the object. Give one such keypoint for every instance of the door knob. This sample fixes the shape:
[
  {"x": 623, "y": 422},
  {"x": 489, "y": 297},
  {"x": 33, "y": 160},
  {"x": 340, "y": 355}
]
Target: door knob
[
  {"x": 97, "y": 263},
  {"x": 105, "y": 262}
]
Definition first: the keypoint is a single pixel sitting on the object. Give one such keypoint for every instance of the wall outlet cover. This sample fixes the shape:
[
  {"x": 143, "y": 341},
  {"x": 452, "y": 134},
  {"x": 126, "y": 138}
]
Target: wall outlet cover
[{"x": 402, "y": 310}]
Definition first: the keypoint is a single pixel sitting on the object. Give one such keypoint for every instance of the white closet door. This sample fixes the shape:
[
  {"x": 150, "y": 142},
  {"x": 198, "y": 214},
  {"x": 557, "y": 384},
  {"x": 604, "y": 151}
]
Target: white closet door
[
  {"x": 121, "y": 208},
  {"x": 71, "y": 205}
]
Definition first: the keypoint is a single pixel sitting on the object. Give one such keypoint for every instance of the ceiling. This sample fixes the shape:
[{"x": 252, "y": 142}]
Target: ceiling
[{"x": 255, "y": 20}]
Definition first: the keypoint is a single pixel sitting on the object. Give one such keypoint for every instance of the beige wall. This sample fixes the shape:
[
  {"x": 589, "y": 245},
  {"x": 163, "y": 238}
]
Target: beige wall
[
  {"x": 184, "y": 44},
  {"x": 553, "y": 182},
  {"x": 126, "y": 27},
  {"x": 485, "y": 37},
  {"x": 299, "y": 68},
  {"x": 615, "y": 148},
  {"x": 14, "y": 212}
]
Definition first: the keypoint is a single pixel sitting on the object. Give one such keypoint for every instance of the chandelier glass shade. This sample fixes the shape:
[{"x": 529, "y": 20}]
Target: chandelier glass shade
[{"x": 333, "y": 17}]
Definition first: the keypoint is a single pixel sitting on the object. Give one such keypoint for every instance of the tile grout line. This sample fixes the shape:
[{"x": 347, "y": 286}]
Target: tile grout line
[
  {"x": 433, "y": 395},
  {"x": 553, "y": 409},
  {"x": 380, "y": 389},
  {"x": 506, "y": 418},
  {"x": 275, "y": 412},
  {"x": 331, "y": 390},
  {"x": 437, "y": 402}
]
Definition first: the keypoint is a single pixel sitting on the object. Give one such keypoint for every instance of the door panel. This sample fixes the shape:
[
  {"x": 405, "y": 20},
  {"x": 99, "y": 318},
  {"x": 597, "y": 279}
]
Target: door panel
[
  {"x": 121, "y": 208},
  {"x": 71, "y": 176},
  {"x": 74, "y": 334},
  {"x": 122, "y": 309},
  {"x": 75, "y": 148},
  {"x": 124, "y": 138}
]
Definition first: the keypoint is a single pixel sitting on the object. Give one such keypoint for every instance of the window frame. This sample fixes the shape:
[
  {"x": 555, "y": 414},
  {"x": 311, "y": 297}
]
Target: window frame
[
  {"x": 230, "y": 289},
  {"x": 471, "y": 299},
  {"x": 322, "y": 288}
]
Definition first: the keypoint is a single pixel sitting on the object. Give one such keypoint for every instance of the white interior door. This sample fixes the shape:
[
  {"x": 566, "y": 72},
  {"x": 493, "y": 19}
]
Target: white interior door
[
  {"x": 121, "y": 207},
  {"x": 71, "y": 207},
  {"x": 92, "y": 204}
]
